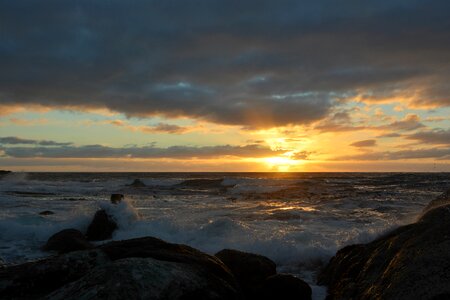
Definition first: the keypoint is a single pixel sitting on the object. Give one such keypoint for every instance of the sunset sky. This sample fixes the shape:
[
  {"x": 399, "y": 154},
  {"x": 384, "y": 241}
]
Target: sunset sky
[{"x": 229, "y": 85}]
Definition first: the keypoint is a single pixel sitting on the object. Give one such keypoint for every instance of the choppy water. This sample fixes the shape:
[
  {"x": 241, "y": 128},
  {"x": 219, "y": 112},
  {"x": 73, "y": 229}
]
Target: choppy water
[{"x": 297, "y": 219}]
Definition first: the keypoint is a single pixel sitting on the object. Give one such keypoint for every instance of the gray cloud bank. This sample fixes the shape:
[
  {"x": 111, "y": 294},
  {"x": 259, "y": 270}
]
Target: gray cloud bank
[
  {"x": 254, "y": 63},
  {"x": 174, "y": 152}
]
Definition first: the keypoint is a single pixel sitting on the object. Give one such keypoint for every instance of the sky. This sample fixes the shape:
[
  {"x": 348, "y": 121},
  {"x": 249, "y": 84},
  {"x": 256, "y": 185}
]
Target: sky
[{"x": 225, "y": 85}]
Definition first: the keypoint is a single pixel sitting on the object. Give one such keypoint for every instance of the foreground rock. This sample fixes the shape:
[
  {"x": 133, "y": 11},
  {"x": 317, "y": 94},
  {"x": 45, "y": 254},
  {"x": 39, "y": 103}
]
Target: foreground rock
[
  {"x": 101, "y": 227},
  {"x": 146, "y": 278},
  {"x": 250, "y": 270},
  {"x": 150, "y": 247},
  {"x": 67, "y": 240},
  {"x": 46, "y": 213},
  {"x": 37, "y": 279},
  {"x": 144, "y": 268},
  {"x": 286, "y": 287},
  {"x": 412, "y": 262}
]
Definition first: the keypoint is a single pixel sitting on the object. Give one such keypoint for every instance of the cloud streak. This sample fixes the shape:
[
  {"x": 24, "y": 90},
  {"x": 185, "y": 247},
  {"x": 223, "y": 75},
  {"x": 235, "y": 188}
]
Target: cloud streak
[{"x": 149, "y": 152}]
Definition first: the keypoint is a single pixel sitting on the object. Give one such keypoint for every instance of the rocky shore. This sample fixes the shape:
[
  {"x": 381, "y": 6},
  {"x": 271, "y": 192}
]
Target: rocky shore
[
  {"x": 411, "y": 262},
  {"x": 143, "y": 268}
]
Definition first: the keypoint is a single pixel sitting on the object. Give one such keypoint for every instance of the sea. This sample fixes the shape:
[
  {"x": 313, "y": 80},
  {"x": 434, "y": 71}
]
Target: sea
[{"x": 299, "y": 220}]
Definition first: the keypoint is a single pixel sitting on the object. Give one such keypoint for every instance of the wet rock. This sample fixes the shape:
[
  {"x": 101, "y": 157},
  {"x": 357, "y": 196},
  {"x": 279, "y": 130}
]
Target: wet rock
[
  {"x": 250, "y": 270},
  {"x": 150, "y": 247},
  {"x": 147, "y": 278},
  {"x": 411, "y": 262},
  {"x": 46, "y": 213},
  {"x": 286, "y": 287},
  {"x": 36, "y": 279},
  {"x": 67, "y": 240},
  {"x": 137, "y": 183},
  {"x": 101, "y": 227},
  {"x": 116, "y": 198}
]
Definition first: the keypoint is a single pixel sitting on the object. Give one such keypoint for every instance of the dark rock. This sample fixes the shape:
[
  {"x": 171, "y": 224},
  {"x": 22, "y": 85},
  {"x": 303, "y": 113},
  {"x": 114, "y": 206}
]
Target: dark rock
[
  {"x": 137, "y": 183},
  {"x": 101, "y": 227},
  {"x": 4, "y": 173},
  {"x": 411, "y": 262},
  {"x": 145, "y": 268},
  {"x": 67, "y": 240},
  {"x": 158, "y": 249},
  {"x": 116, "y": 198},
  {"x": 286, "y": 287},
  {"x": 46, "y": 213},
  {"x": 250, "y": 270},
  {"x": 36, "y": 279},
  {"x": 147, "y": 278}
]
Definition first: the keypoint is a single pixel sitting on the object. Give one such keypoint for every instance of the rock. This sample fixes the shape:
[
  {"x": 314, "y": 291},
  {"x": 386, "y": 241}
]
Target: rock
[
  {"x": 146, "y": 278},
  {"x": 137, "y": 183},
  {"x": 286, "y": 287},
  {"x": 116, "y": 198},
  {"x": 144, "y": 268},
  {"x": 101, "y": 227},
  {"x": 150, "y": 247},
  {"x": 67, "y": 240},
  {"x": 411, "y": 262},
  {"x": 4, "y": 173},
  {"x": 36, "y": 279},
  {"x": 250, "y": 270},
  {"x": 46, "y": 213}
]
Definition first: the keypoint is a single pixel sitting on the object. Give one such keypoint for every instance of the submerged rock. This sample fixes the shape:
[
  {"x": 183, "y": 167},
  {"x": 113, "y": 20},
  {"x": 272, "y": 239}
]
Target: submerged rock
[
  {"x": 411, "y": 262},
  {"x": 250, "y": 270},
  {"x": 286, "y": 287},
  {"x": 101, "y": 227},
  {"x": 46, "y": 213},
  {"x": 137, "y": 183},
  {"x": 67, "y": 240},
  {"x": 147, "y": 278}
]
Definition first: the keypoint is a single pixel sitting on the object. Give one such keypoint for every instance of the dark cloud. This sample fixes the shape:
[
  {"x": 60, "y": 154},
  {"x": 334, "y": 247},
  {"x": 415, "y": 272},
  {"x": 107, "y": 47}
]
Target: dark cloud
[
  {"x": 12, "y": 140},
  {"x": 176, "y": 152},
  {"x": 256, "y": 63},
  {"x": 437, "y": 137},
  {"x": 364, "y": 143}
]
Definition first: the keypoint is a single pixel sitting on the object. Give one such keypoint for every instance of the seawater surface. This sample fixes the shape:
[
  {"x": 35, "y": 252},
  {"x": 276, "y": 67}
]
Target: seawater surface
[{"x": 297, "y": 219}]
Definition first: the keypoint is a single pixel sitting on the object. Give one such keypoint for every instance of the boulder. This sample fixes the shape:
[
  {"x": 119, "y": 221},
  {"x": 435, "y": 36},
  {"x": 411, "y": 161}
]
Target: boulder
[
  {"x": 137, "y": 183},
  {"x": 101, "y": 227},
  {"x": 286, "y": 287},
  {"x": 150, "y": 247},
  {"x": 116, "y": 198},
  {"x": 411, "y": 262},
  {"x": 36, "y": 279},
  {"x": 146, "y": 278},
  {"x": 46, "y": 213},
  {"x": 67, "y": 240},
  {"x": 250, "y": 270}
]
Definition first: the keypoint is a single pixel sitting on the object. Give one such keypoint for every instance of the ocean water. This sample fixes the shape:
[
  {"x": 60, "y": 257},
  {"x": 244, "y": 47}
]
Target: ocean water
[{"x": 299, "y": 220}]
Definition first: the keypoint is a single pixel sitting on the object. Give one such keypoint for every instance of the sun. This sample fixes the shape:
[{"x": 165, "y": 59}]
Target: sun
[{"x": 280, "y": 163}]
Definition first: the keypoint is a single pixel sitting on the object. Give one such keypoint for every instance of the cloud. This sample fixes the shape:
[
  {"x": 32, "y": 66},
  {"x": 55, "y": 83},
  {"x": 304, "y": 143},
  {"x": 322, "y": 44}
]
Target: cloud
[
  {"x": 256, "y": 63},
  {"x": 364, "y": 143},
  {"x": 174, "y": 152},
  {"x": 430, "y": 153},
  {"x": 157, "y": 128},
  {"x": 12, "y": 140},
  {"x": 437, "y": 137}
]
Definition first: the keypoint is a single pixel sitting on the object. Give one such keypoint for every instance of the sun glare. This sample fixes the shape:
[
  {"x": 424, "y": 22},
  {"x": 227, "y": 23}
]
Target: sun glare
[{"x": 281, "y": 164}]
